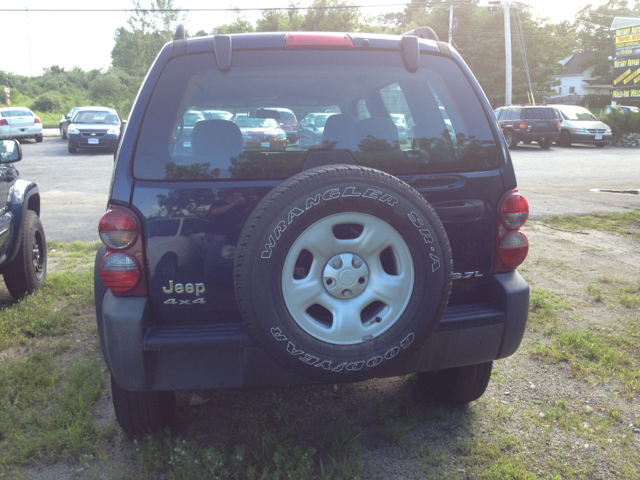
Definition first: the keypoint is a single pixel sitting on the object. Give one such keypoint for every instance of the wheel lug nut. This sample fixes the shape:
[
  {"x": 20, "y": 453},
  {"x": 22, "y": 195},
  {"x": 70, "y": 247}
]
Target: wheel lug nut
[
  {"x": 346, "y": 293},
  {"x": 337, "y": 263},
  {"x": 356, "y": 262}
]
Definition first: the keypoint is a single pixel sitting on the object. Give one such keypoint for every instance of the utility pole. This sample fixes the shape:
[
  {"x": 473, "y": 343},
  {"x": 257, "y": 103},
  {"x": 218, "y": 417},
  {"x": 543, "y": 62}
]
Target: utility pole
[
  {"x": 507, "y": 51},
  {"x": 451, "y": 24}
]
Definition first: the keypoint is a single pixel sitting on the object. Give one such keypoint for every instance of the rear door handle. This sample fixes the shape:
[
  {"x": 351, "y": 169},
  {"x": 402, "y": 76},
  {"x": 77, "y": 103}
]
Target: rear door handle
[{"x": 459, "y": 209}]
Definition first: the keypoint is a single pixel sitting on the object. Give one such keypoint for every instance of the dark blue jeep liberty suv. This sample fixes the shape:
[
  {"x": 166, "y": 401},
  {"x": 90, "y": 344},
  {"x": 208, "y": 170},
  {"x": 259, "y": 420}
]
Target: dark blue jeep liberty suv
[{"x": 235, "y": 257}]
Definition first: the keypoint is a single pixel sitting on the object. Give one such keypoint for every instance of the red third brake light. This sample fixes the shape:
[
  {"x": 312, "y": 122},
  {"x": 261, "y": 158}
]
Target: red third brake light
[
  {"x": 313, "y": 39},
  {"x": 512, "y": 246},
  {"x": 122, "y": 269}
]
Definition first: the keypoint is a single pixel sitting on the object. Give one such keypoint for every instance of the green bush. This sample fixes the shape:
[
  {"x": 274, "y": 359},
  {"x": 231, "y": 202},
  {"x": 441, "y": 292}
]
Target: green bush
[
  {"x": 47, "y": 102},
  {"x": 622, "y": 123}
]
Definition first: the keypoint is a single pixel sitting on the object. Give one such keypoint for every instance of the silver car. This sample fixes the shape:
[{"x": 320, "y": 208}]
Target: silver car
[
  {"x": 20, "y": 122},
  {"x": 579, "y": 125}
]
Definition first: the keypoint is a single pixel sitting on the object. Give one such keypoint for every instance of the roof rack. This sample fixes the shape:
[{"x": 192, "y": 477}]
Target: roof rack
[{"x": 424, "y": 32}]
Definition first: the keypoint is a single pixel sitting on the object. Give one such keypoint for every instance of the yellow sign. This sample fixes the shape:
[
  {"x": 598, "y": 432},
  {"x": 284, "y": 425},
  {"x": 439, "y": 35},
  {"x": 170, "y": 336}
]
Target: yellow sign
[
  {"x": 621, "y": 77},
  {"x": 632, "y": 76}
]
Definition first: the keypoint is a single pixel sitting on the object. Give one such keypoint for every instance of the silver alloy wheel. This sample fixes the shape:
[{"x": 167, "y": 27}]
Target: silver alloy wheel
[{"x": 384, "y": 286}]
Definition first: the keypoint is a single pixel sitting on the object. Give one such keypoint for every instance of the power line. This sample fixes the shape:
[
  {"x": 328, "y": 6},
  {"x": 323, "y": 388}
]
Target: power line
[{"x": 232, "y": 9}]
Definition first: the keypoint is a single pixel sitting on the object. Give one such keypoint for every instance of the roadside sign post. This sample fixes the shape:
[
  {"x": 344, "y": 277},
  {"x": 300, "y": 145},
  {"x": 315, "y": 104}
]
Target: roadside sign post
[{"x": 7, "y": 100}]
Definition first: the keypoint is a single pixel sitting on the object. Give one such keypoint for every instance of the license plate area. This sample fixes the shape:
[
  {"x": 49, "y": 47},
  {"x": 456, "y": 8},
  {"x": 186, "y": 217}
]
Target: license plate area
[
  {"x": 598, "y": 137},
  {"x": 93, "y": 141}
]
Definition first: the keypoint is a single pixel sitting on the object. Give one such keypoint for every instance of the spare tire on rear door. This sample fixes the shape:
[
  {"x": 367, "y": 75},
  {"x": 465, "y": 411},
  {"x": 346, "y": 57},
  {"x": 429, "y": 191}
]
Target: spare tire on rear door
[{"x": 342, "y": 272}]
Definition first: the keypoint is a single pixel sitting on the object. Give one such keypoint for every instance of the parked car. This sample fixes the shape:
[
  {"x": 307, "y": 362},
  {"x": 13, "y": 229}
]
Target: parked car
[
  {"x": 94, "y": 128},
  {"x": 620, "y": 108},
  {"x": 579, "y": 125},
  {"x": 311, "y": 128},
  {"x": 217, "y": 114},
  {"x": 23, "y": 245},
  {"x": 359, "y": 258},
  {"x": 176, "y": 242},
  {"x": 285, "y": 118},
  {"x": 519, "y": 123},
  {"x": 262, "y": 133},
  {"x": 65, "y": 121},
  {"x": 19, "y": 123}
]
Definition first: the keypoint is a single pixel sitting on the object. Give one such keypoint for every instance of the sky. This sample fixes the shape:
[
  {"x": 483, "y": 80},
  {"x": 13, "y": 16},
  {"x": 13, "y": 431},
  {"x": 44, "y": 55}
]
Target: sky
[{"x": 34, "y": 40}]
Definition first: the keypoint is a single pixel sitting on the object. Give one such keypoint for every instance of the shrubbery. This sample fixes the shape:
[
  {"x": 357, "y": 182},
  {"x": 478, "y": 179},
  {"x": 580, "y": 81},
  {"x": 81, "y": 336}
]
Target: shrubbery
[
  {"x": 622, "y": 123},
  {"x": 47, "y": 102}
]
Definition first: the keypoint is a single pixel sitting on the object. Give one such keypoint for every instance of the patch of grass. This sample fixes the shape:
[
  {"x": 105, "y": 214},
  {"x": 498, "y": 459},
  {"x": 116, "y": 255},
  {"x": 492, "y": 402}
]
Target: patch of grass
[
  {"x": 46, "y": 407},
  {"x": 630, "y": 296},
  {"x": 594, "y": 355},
  {"x": 543, "y": 310},
  {"x": 49, "y": 311},
  {"x": 580, "y": 420},
  {"x": 627, "y": 223}
]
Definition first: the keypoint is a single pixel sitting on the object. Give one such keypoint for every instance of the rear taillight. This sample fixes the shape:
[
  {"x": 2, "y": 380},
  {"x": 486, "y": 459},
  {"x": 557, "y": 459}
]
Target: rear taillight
[
  {"x": 512, "y": 246},
  {"x": 558, "y": 124},
  {"x": 118, "y": 229},
  {"x": 523, "y": 125},
  {"x": 3, "y": 121},
  {"x": 122, "y": 268},
  {"x": 119, "y": 271},
  {"x": 36, "y": 120}
]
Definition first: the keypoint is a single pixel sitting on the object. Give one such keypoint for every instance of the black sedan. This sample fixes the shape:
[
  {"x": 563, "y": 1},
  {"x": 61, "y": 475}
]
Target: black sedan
[
  {"x": 94, "y": 128},
  {"x": 65, "y": 121}
]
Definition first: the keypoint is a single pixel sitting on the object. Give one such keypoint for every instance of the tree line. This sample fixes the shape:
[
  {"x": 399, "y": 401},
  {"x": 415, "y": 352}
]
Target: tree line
[{"x": 478, "y": 36}]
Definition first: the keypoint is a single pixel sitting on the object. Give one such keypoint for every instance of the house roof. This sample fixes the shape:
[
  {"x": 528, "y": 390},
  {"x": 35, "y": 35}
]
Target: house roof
[
  {"x": 573, "y": 67},
  {"x": 624, "y": 22}
]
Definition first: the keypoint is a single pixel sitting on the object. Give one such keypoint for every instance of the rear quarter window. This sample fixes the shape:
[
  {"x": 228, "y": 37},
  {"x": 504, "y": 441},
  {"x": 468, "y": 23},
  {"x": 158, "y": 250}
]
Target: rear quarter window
[{"x": 445, "y": 128}]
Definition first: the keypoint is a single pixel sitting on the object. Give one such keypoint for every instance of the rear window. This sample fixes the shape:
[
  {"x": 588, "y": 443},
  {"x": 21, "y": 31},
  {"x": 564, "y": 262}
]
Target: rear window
[
  {"x": 540, "y": 114},
  {"x": 17, "y": 113},
  {"x": 359, "y": 95}
]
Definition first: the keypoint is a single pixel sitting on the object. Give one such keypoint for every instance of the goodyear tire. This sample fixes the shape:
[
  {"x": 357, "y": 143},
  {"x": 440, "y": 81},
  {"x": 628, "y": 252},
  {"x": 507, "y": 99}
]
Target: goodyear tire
[{"x": 342, "y": 272}]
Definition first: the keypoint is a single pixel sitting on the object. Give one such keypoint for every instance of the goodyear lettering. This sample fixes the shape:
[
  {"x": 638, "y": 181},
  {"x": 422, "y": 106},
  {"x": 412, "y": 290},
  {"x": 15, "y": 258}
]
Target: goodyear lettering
[
  {"x": 375, "y": 361},
  {"x": 392, "y": 353},
  {"x": 345, "y": 366},
  {"x": 310, "y": 359},
  {"x": 325, "y": 364},
  {"x": 291, "y": 348},
  {"x": 408, "y": 340},
  {"x": 277, "y": 334},
  {"x": 355, "y": 366}
]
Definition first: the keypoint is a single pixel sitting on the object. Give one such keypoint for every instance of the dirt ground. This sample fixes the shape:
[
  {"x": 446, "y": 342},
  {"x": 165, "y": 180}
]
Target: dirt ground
[{"x": 535, "y": 411}]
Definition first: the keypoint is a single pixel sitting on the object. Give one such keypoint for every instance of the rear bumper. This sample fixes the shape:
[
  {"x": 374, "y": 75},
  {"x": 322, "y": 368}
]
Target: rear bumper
[
  {"x": 145, "y": 357},
  {"x": 524, "y": 135},
  {"x": 590, "y": 138}
]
